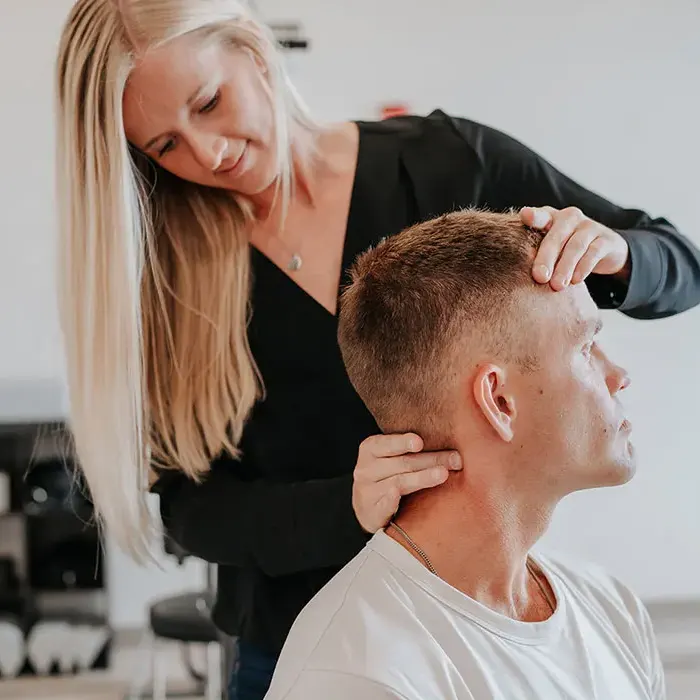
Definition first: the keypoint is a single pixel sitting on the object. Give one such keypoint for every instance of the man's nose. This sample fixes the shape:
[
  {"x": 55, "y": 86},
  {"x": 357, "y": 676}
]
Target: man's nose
[
  {"x": 209, "y": 150},
  {"x": 618, "y": 380}
]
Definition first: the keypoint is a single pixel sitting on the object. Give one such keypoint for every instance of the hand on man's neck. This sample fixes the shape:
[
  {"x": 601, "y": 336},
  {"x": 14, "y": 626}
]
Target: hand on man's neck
[{"x": 477, "y": 532}]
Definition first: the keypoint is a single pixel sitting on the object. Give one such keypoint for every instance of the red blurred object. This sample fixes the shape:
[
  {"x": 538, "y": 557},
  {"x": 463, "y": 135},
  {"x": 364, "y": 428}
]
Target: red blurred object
[{"x": 394, "y": 110}]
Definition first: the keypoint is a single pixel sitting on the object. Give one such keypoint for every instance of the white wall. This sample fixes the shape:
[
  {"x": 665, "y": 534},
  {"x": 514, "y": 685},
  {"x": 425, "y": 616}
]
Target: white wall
[
  {"x": 606, "y": 90},
  {"x": 28, "y": 327}
]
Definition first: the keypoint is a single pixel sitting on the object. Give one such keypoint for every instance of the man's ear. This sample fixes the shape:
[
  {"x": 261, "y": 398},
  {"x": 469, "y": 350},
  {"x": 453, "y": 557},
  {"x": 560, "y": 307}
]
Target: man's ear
[{"x": 494, "y": 398}]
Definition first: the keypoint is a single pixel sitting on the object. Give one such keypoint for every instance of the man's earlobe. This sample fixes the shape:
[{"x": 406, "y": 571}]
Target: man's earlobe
[{"x": 495, "y": 401}]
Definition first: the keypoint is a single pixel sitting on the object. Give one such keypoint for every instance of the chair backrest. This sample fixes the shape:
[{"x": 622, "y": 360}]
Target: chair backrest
[{"x": 174, "y": 549}]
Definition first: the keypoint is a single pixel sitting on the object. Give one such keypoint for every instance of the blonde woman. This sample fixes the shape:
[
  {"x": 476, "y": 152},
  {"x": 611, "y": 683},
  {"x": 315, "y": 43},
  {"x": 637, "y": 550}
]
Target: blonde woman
[{"x": 207, "y": 224}]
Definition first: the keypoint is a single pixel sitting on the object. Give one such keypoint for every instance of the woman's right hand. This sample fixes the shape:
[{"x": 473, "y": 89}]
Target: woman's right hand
[{"x": 391, "y": 466}]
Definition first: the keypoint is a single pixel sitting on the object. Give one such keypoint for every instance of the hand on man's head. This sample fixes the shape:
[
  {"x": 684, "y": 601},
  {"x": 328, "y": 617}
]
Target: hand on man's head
[{"x": 574, "y": 246}]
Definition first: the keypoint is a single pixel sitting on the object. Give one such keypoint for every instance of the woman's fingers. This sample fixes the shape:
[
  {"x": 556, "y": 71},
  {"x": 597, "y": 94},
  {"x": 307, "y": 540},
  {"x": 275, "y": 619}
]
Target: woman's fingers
[
  {"x": 377, "y": 503},
  {"x": 390, "y": 445},
  {"x": 380, "y": 469},
  {"x": 575, "y": 249},
  {"x": 562, "y": 226},
  {"x": 411, "y": 482},
  {"x": 597, "y": 250},
  {"x": 573, "y": 246},
  {"x": 389, "y": 467}
]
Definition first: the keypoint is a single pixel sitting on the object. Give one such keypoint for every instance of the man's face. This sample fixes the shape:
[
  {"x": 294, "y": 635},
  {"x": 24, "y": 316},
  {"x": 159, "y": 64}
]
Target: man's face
[{"x": 569, "y": 418}]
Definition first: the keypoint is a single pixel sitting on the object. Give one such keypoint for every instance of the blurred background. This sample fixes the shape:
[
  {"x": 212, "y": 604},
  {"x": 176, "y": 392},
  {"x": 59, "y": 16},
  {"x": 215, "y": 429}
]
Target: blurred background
[{"x": 609, "y": 91}]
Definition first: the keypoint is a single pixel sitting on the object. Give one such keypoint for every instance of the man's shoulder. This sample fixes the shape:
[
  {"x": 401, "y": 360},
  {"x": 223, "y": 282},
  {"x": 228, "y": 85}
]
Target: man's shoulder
[
  {"x": 613, "y": 607},
  {"x": 599, "y": 591},
  {"x": 356, "y": 626},
  {"x": 585, "y": 574}
]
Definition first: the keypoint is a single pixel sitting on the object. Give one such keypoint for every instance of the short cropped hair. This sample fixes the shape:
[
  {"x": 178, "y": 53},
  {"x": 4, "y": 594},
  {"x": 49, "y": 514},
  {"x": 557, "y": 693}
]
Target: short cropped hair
[{"x": 440, "y": 292}]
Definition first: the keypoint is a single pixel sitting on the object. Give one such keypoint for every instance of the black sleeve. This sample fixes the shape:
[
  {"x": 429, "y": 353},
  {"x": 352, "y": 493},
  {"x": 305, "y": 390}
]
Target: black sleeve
[
  {"x": 279, "y": 528},
  {"x": 665, "y": 266}
]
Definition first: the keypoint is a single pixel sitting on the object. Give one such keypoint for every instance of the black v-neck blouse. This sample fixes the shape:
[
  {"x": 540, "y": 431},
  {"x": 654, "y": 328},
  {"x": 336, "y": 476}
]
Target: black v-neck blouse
[{"x": 280, "y": 522}]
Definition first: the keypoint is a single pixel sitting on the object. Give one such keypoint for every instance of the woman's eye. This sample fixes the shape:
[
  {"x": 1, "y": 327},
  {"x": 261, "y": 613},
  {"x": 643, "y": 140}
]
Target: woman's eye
[
  {"x": 210, "y": 105},
  {"x": 166, "y": 148}
]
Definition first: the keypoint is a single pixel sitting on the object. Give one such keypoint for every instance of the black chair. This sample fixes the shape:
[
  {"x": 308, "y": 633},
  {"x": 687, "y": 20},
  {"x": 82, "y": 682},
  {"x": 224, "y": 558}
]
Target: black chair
[{"x": 186, "y": 619}]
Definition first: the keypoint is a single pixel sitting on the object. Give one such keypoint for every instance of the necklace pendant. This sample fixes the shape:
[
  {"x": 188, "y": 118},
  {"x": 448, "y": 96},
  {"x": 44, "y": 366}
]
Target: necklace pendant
[{"x": 295, "y": 263}]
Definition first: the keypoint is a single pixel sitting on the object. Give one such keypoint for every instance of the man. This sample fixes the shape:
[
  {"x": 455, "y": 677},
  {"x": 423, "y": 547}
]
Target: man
[{"x": 445, "y": 334}]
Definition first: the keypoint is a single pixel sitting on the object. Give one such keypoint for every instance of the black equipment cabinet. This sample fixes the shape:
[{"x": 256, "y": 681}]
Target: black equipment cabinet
[{"x": 53, "y": 582}]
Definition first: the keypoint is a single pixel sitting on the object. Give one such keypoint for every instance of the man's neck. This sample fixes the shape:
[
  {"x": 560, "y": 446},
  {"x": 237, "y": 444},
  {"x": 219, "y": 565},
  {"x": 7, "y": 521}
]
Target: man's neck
[{"x": 477, "y": 537}]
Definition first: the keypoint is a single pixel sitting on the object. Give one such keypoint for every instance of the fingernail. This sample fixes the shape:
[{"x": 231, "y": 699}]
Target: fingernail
[
  {"x": 455, "y": 461},
  {"x": 542, "y": 272},
  {"x": 541, "y": 218}
]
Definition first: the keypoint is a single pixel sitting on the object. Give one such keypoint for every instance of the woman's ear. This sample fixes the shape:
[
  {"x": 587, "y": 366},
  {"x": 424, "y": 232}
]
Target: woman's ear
[
  {"x": 496, "y": 402},
  {"x": 257, "y": 60}
]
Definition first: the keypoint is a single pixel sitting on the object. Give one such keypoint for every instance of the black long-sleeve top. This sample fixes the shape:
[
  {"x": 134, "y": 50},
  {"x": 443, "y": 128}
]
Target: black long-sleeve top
[{"x": 280, "y": 522}]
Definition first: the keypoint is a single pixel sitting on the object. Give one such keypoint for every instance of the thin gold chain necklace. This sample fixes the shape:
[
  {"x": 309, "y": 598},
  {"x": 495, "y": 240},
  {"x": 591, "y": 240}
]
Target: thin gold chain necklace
[{"x": 432, "y": 570}]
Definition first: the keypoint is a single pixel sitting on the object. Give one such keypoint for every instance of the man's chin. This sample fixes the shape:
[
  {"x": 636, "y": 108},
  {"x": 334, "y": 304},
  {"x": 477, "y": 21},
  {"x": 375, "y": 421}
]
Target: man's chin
[
  {"x": 619, "y": 471},
  {"x": 624, "y": 467},
  {"x": 627, "y": 473}
]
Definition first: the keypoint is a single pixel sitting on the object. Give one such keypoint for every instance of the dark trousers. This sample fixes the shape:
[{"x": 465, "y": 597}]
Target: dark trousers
[{"x": 252, "y": 673}]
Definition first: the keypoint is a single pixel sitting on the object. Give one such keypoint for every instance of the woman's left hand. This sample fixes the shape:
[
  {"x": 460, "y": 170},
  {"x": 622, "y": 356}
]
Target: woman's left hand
[{"x": 574, "y": 246}]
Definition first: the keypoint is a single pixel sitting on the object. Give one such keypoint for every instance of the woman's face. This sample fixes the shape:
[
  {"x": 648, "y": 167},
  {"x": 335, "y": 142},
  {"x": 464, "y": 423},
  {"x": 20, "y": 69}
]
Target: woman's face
[{"x": 203, "y": 112}]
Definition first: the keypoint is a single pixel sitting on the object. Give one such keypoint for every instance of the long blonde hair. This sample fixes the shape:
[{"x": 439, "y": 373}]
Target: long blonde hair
[{"x": 154, "y": 272}]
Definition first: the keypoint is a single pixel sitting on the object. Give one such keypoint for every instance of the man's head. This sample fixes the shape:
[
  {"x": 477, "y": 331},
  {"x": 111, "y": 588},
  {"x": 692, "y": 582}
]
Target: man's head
[{"x": 445, "y": 333}]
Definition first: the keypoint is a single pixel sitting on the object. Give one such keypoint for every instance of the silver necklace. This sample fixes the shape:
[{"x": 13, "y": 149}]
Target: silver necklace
[
  {"x": 295, "y": 262},
  {"x": 432, "y": 570}
]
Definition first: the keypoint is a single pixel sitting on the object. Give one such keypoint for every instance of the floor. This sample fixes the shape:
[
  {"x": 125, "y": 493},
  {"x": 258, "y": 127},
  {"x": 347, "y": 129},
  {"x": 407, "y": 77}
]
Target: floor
[{"x": 678, "y": 630}]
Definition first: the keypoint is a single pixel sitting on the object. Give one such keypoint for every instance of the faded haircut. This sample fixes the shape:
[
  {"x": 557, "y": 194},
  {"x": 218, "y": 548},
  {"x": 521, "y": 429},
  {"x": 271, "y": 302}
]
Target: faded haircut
[{"x": 422, "y": 302}]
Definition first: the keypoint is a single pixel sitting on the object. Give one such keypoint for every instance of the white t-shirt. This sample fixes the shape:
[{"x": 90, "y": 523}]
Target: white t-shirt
[{"x": 385, "y": 628}]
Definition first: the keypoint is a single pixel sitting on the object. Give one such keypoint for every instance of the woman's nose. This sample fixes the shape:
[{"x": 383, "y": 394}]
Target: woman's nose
[{"x": 209, "y": 151}]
